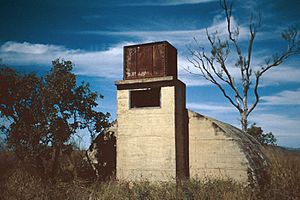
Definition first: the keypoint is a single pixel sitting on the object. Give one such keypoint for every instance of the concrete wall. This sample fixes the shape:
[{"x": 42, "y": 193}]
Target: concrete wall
[
  {"x": 167, "y": 142},
  {"x": 213, "y": 153},
  {"x": 182, "y": 136},
  {"x": 146, "y": 146}
]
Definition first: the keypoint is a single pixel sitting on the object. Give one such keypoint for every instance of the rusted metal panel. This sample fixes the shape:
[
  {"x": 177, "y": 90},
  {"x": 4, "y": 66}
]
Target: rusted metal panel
[
  {"x": 144, "y": 61},
  {"x": 150, "y": 60},
  {"x": 130, "y": 70},
  {"x": 159, "y": 63},
  {"x": 171, "y": 60}
]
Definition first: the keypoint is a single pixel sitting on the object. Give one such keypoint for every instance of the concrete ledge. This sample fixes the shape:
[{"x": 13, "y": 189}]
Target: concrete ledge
[
  {"x": 148, "y": 82},
  {"x": 145, "y": 80}
]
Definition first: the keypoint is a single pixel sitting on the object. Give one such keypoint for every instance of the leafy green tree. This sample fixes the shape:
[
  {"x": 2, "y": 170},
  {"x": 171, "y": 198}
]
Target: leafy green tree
[
  {"x": 40, "y": 114},
  {"x": 263, "y": 138}
]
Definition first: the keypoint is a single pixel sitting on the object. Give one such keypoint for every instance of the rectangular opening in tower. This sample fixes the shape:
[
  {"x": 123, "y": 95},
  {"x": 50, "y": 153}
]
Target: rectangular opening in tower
[{"x": 149, "y": 97}]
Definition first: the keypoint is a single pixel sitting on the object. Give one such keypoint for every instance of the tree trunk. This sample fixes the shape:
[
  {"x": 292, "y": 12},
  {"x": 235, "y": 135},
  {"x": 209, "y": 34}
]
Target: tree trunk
[
  {"x": 244, "y": 122},
  {"x": 55, "y": 163}
]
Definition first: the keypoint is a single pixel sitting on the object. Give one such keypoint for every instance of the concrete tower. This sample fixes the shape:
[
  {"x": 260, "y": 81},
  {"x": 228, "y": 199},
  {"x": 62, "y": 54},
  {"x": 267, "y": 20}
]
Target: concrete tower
[{"x": 152, "y": 140}]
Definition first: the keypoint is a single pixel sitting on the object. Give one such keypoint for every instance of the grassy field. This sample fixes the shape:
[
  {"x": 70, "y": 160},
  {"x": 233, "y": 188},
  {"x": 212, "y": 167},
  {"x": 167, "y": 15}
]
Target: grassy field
[{"x": 21, "y": 183}]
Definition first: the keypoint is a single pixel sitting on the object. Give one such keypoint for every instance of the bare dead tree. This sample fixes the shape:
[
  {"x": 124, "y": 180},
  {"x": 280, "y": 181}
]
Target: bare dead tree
[{"x": 214, "y": 66}]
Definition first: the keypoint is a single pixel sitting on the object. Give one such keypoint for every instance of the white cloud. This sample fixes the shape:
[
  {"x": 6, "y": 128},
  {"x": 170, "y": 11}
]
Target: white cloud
[
  {"x": 190, "y": 79},
  {"x": 287, "y": 97},
  {"x": 285, "y": 73},
  {"x": 210, "y": 107},
  {"x": 167, "y": 2},
  {"x": 193, "y": 80},
  {"x": 178, "y": 37},
  {"x": 285, "y": 128},
  {"x": 107, "y": 63},
  {"x": 282, "y": 73},
  {"x": 280, "y": 125},
  {"x": 181, "y": 38},
  {"x": 28, "y": 48}
]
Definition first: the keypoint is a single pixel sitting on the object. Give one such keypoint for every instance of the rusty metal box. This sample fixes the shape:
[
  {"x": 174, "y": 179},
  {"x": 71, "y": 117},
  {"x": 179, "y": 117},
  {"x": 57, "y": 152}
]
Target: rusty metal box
[{"x": 150, "y": 60}]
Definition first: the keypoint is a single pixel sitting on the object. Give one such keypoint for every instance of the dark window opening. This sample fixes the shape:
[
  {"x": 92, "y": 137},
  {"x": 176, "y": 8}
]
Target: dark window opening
[{"x": 145, "y": 98}]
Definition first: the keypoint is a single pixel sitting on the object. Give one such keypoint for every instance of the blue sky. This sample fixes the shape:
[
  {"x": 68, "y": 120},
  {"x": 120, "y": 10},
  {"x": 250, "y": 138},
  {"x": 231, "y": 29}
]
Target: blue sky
[{"x": 92, "y": 33}]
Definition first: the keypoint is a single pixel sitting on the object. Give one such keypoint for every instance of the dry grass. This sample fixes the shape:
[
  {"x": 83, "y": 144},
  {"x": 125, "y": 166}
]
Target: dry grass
[
  {"x": 19, "y": 183},
  {"x": 23, "y": 186},
  {"x": 186, "y": 190},
  {"x": 284, "y": 174}
]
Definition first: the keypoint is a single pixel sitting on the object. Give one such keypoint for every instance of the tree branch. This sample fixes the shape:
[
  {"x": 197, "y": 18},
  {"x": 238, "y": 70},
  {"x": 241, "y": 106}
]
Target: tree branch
[{"x": 214, "y": 66}]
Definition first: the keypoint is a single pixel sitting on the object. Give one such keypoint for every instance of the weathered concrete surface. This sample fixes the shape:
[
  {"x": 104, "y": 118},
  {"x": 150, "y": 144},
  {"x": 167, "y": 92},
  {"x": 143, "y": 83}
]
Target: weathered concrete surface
[
  {"x": 219, "y": 150},
  {"x": 146, "y": 141},
  {"x": 216, "y": 149}
]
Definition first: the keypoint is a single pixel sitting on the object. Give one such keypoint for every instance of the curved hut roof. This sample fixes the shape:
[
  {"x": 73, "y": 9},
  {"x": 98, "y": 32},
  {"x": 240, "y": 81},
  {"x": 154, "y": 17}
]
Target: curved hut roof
[{"x": 247, "y": 145}]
